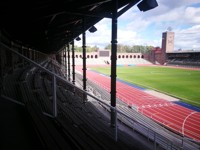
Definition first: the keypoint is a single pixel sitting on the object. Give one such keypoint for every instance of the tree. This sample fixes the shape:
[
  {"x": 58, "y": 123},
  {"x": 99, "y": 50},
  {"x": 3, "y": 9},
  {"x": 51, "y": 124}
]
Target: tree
[
  {"x": 77, "y": 49},
  {"x": 88, "y": 48},
  {"x": 108, "y": 47},
  {"x": 131, "y": 49}
]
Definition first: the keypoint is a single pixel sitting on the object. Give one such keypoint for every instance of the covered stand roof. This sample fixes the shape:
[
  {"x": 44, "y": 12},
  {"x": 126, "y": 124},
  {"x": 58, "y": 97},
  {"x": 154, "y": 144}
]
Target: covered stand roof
[{"x": 49, "y": 24}]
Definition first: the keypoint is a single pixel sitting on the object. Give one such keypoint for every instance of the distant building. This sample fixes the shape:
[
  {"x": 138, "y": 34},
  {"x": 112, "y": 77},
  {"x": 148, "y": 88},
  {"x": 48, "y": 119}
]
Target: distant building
[{"x": 168, "y": 41}]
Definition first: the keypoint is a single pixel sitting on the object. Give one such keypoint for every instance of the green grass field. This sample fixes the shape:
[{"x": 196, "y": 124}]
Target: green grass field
[{"x": 181, "y": 83}]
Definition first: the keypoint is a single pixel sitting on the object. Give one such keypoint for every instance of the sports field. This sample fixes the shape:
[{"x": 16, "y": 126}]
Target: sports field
[{"x": 181, "y": 83}]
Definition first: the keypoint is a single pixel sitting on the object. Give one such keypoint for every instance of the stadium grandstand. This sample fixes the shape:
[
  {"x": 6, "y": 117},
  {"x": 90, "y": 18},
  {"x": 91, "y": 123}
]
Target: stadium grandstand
[
  {"x": 166, "y": 55},
  {"x": 51, "y": 100},
  {"x": 102, "y": 57},
  {"x": 184, "y": 59}
]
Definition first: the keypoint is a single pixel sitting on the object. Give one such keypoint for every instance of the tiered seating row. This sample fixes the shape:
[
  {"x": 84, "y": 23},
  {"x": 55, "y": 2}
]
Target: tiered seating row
[{"x": 84, "y": 118}]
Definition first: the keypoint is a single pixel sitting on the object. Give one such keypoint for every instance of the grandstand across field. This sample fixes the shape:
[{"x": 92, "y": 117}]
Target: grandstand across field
[
  {"x": 96, "y": 58},
  {"x": 184, "y": 58}
]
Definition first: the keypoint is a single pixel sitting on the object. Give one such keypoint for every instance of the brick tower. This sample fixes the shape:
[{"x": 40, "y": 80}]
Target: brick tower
[{"x": 168, "y": 41}]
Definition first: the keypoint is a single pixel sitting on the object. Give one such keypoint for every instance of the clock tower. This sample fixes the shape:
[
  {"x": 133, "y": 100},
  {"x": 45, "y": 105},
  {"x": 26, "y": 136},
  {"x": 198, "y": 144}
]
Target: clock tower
[{"x": 168, "y": 41}]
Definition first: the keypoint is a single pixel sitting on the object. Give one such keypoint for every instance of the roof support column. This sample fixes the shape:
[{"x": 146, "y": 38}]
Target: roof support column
[
  {"x": 68, "y": 51},
  {"x": 73, "y": 64},
  {"x": 22, "y": 49},
  {"x": 114, "y": 62},
  {"x": 29, "y": 53},
  {"x": 12, "y": 56},
  {"x": 62, "y": 57},
  {"x": 33, "y": 55},
  {"x": 84, "y": 57},
  {"x": 37, "y": 57},
  {"x": 2, "y": 65},
  {"x": 65, "y": 60},
  {"x": 54, "y": 96}
]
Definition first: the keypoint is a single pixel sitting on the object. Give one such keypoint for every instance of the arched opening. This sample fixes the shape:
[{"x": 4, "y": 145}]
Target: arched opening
[
  {"x": 126, "y": 56},
  {"x": 80, "y": 56},
  {"x": 131, "y": 56},
  {"x": 122, "y": 56},
  {"x": 138, "y": 56},
  {"x": 91, "y": 56},
  {"x": 96, "y": 56},
  {"x": 134, "y": 56},
  {"x": 119, "y": 56}
]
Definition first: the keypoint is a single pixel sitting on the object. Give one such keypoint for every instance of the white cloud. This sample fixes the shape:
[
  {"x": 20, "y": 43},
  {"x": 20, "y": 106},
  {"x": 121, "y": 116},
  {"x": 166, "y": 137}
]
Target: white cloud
[
  {"x": 135, "y": 27},
  {"x": 192, "y": 15},
  {"x": 188, "y": 38},
  {"x": 101, "y": 37}
]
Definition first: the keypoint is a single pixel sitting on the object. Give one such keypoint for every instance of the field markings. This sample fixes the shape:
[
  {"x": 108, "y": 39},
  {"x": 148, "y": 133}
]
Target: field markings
[
  {"x": 167, "y": 73},
  {"x": 161, "y": 95}
]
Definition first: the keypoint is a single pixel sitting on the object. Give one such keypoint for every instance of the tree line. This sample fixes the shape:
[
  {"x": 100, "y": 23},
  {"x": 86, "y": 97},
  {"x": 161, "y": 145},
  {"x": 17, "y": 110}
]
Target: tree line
[
  {"x": 88, "y": 48},
  {"x": 120, "y": 48},
  {"x": 131, "y": 49}
]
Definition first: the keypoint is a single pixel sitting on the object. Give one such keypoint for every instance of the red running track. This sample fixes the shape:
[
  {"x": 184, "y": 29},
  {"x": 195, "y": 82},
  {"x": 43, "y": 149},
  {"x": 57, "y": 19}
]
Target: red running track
[{"x": 173, "y": 116}]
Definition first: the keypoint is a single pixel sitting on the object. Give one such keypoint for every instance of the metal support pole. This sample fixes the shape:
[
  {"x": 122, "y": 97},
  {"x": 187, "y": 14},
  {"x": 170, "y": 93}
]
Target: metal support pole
[
  {"x": 23, "y": 62},
  {"x": 29, "y": 53},
  {"x": 36, "y": 59},
  {"x": 12, "y": 58},
  {"x": 25, "y": 51},
  {"x": 84, "y": 58},
  {"x": 116, "y": 134},
  {"x": 63, "y": 57},
  {"x": 54, "y": 96},
  {"x": 68, "y": 53},
  {"x": 114, "y": 62},
  {"x": 182, "y": 143},
  {"x": 36, "y": 55},
  {"x": 65, "y": 60},
  {"x": 155, "y": 140},
  {"x": 33, "y": 55},
  {"x": 2, "y": 66},
  {"x": 73, "y": 64},
  {"x": 60, "y": 57}
]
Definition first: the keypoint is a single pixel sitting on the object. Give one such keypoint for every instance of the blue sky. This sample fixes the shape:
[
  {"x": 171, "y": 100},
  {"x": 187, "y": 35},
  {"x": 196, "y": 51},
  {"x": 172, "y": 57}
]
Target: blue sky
[{"x": 145, "y": 28}]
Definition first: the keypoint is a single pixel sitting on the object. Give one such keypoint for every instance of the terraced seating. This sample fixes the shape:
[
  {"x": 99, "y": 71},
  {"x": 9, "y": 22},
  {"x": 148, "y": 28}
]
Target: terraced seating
[
  {"x": 49, "y": 135},
  {"x": 77, "y": 112}
]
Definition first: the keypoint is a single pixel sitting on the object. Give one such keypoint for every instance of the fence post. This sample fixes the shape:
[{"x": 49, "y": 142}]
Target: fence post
[
  {"x": 182, "y": 143},
  {"x": 116, "y": 135},
  {"x": 84, "y": 60},
  {"x": 54, "y": 97},
  {"x": 73, "y": 64},
  {"x": 68, "y": 56},
  {"x": 155, "y": 140},
  {"x": 1, "y": 66}
]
